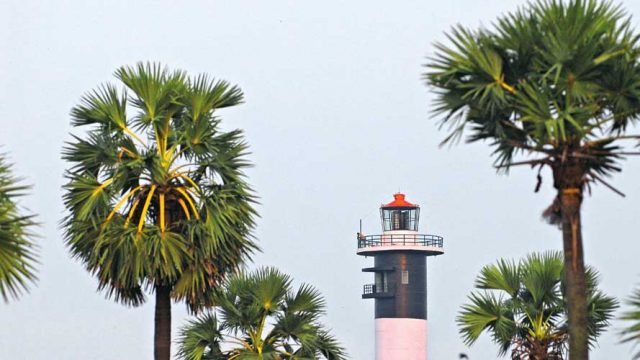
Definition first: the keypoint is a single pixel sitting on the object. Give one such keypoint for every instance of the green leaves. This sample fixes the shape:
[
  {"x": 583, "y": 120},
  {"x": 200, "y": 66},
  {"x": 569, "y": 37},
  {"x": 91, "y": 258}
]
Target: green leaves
[
  {"x": 202, "y": 339},
  {"x": 541, "y": 275},
  {"x": 522, "y": 307},
  {"x": 101, "y": 106},
  {"x": 17, "y": 250},
  {"x": 632, "y": 316},
  {"x": 156, "y": 191},
  {"x": 260, "y": 316},
  {"x": 505, "y": 276},
  {"x": 486, "y": 312},
  {"x": 548, "y": 78},
  {"x": 158, "y": 93},
  {"x": 206, "y": 94}
]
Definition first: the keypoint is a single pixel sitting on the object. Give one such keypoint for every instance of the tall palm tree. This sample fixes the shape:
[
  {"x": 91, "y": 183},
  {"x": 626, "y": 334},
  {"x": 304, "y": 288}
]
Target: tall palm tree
[
  {"x": 557, "y": 79},
  {"x": 632, "y": 332},
  {"x": 156, "y": 194},
  {"x": 260, "y": 316},
  {"x": 17, "y": 250},
  {"x": 522, "y": 305}
]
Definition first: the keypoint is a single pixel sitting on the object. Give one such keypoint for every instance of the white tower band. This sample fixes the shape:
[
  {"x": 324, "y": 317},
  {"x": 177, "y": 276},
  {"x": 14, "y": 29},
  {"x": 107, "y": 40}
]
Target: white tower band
[{"x": 400, "y": 287}]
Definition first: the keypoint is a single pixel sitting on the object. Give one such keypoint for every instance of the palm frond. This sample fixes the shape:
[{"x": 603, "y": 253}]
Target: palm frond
[
  {"x": 632, "y": 316},
  {"x": 201, "y": 339},
  {"x": 18, "y": 253}
]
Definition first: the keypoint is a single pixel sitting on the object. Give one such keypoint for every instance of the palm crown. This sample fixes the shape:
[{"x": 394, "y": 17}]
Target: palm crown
[
  {"x": 557, "y": 79},
  {"x": 522, "y": 305},
  {"x": 156, "y": 194},
  {"x": 260, "y": 316}
]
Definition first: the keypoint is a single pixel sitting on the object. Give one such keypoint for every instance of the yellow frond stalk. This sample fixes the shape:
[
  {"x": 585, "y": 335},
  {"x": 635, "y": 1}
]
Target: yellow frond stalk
[
  {"x": 101, "y": 187},
  {"x": 188, "y": 198},
  {"x": 145, "y": 208},
  {"x": 133, "y": 135},
  {"x": 166, "y": 127},
  {"x": 120, "y": 203},
  {"x": 184, "y": 208},
  {"x": 189, "y": 180},
  {"x": 162, "y": 212},
  {"x": 241, "y": 342},
  {"x": 132, "y": 211},
  {"x": 169, "y": 154},
  {"x": 125, "y": 150},
  {"x": 175, "y": 155},
  {"x": 504, "y": 85},
  {"x": 159, "y": 142},
  {"x": 175, "y": 170},
  {"x": 165, "y": 137}
]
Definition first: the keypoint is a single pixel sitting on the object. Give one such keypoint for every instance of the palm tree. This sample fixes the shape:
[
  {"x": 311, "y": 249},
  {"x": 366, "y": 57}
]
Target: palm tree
[
  {"x": 557, "y": 79},
  {"x": 156, "y": 194},
  {"x": 522, "y": 305},
  {"x": 260, "y": 316},
  {"x": 17, "y": 250},
  {"x": 632, "y": 333}
]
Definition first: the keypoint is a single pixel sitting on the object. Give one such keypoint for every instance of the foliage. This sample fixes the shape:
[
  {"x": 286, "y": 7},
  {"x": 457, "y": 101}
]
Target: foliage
[
  {"x": 632, "y": 332},
  {"x": 17, "y": 250},
  {"x": 522, "y": 306},
  {"x": 260, "y": 316},
  {"x": 559, "y": 79},
  {"x": 156, "y": 193}
]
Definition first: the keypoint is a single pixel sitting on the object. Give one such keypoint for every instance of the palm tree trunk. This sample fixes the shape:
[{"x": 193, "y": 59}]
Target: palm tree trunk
[
  {"x": 162, "y": 336},
  {"x": 570, "y": 205},
  {"x": 569, "y": 179}
]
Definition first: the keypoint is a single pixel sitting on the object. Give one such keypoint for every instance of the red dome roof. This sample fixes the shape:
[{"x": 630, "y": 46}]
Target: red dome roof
[{"x": 399, "y": 201}]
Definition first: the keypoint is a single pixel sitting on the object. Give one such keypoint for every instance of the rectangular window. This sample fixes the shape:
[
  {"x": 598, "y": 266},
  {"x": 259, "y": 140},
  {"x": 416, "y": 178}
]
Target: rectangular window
[
  {"x": 385, "y": 282},
  {"x": 382, "y": 282},
  {"x": 405, "y": 277}
]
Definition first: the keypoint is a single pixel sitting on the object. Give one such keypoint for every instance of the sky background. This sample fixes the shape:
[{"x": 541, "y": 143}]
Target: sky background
[{"x": 338, "y": 119}]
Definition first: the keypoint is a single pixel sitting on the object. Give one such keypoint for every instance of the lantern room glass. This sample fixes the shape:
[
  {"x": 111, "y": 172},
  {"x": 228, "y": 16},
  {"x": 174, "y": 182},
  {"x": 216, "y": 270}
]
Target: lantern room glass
[{"x": 400, "y": 218}]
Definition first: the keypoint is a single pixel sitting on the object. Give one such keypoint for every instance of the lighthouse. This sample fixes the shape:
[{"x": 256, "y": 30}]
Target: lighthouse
[{"x": 400, "y": 280}]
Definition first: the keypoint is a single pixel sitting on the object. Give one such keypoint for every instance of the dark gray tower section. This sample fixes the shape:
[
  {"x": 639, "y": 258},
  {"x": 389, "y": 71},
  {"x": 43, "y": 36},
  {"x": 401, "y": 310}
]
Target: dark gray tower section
[{"x": 405, "y": 276}]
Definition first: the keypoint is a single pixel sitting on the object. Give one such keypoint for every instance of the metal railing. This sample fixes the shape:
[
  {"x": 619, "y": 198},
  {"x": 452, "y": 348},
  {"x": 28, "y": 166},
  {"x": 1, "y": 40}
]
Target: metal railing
[
  {"x": 368, "y": 289},
  {"x": 400, "y": 239}
]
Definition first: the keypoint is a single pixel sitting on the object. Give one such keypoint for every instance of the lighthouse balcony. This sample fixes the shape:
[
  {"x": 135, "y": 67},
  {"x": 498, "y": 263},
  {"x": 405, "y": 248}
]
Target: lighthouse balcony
[
  {"x": 429, "y": 244},
  {"x": 372, "y": 291}
]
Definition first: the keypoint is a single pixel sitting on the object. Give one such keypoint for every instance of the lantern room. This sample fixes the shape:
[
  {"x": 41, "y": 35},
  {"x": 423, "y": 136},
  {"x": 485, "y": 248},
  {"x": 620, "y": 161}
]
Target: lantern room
[
  {"x": 400, "y": 231},
  {"x": 400, "y": 214}
]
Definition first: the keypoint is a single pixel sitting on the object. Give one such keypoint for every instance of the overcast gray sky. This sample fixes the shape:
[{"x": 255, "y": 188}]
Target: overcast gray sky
[{"x": 337, "y": 119}]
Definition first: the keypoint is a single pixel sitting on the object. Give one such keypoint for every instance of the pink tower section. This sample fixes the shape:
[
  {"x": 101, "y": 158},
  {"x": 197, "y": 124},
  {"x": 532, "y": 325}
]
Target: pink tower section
[{"x": 401, "y": 339}]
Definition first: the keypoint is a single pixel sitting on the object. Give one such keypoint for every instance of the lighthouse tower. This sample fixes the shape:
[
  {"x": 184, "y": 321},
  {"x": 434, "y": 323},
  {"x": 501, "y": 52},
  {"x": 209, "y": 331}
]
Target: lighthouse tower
[{"x": 400, "y": 287}]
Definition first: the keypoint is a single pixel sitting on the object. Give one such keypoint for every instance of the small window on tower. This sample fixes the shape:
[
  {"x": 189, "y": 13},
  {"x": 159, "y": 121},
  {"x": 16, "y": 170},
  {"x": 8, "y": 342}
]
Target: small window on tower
[{"x": 405, "y": 277}]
